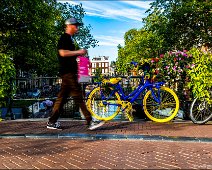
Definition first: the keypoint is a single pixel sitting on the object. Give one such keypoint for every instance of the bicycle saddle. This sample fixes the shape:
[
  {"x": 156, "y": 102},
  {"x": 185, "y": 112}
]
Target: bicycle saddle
[{"x": 112, "y": 80}]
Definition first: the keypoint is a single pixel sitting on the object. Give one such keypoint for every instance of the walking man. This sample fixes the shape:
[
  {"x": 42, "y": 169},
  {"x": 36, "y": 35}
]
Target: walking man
[{"x": 67, "y": 55}]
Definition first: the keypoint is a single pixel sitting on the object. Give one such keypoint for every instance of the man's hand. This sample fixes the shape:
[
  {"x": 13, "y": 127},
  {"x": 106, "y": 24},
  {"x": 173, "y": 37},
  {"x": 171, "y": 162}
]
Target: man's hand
[{"x": 82, "y": 52}]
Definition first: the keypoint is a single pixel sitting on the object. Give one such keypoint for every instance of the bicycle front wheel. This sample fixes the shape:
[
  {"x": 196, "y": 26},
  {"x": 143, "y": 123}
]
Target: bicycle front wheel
[
  {"x": 166, "y": 109},
  {"x": 200, "y": 111},
  {"x": 103, "y": 105}
]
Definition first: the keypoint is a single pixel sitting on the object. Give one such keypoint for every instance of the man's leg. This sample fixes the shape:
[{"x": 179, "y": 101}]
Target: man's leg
[
  {"x": 59, "y": 103},
  {"x": 79, "y": 100},
  {"x": 55, "y": 114},
  {"x": 76, "y": 93},
  {"x": 57, "y": 109}
]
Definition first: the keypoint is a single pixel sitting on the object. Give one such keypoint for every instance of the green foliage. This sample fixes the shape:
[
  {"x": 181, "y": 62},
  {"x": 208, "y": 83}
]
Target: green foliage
[
  {"x": 7, "y": 74},
  {"x": 170, "y": 25},
  {"x": 182, "y": 24},
  {"x": 30, "y": 31},
  {"x": 31, "y": 37},
  {"x": 98, "y": 74},
  {"x": 201, "y": 73},
  {"x": 139, "y": 44}
]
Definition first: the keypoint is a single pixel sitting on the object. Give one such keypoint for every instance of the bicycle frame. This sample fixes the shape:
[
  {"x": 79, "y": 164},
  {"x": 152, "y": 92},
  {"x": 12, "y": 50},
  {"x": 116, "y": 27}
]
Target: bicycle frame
[{"x": 135, "y": 93}]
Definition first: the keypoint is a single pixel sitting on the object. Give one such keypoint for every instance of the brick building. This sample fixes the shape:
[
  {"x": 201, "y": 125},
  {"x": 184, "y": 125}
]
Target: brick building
[{"x": 101, "y": 62}]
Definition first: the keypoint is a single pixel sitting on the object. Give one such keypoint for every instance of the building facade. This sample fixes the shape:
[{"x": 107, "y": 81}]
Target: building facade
[{"x": 100, "y": 63}]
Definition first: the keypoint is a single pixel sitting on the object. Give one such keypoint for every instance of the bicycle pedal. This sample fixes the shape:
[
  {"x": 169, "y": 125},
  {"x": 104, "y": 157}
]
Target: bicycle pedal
[
  {"x": 133, "y": 110},
  {"x": 130, "y": 117}
]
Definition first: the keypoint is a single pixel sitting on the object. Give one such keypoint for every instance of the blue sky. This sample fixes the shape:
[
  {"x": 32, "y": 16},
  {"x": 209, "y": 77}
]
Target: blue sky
[{"x": 110, "y": 20}]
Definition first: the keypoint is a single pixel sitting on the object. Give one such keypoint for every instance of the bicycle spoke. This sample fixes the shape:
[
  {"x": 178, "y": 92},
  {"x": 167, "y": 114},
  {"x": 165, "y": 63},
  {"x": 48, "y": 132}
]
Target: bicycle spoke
[
  {"x": 200, "y": 111},
  {"x": 162, "y": 111},
  {"x": 103, "y": 109}
]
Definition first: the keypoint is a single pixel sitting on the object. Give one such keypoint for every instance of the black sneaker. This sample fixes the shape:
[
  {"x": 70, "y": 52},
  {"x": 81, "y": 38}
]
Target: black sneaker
[
  {"x": 54, "y": 126},
  {"x": 93, "y": 125}
]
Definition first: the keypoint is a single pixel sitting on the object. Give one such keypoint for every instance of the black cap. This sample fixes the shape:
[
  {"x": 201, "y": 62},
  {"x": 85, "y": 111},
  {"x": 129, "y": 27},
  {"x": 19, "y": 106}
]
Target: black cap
[{"x": 73, "y": 21}]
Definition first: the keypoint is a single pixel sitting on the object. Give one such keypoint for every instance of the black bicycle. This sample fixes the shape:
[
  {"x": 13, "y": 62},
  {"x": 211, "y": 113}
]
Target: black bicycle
[{"x": 200, "y": 110}]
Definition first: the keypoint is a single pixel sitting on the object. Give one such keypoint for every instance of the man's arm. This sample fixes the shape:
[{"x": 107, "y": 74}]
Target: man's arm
[{"x": 68, "y": 53}]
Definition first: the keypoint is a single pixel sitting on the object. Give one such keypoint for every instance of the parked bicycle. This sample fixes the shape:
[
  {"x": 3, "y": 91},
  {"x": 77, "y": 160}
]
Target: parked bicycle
[
  {"x": 201, "y": 110},
  {"x": 108, "y": 99}
]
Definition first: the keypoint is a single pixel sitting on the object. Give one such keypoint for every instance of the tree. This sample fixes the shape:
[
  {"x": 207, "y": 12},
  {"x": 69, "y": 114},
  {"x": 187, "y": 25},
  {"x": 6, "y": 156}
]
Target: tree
[
  {"x": 170, "y": 25},
  {"x": 30, "y": 31},
  {"x": 29, "y": 34},
  {"x": 7, "y": 72},
  {"x": 139, "y": 45},
  {"x": 182, "y": 23},
  {"x": 83, "y": 38}
]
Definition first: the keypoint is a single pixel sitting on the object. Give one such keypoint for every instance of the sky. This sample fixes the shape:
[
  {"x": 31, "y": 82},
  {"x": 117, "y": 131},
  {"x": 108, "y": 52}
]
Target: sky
[{"x": 110, "y": 20}]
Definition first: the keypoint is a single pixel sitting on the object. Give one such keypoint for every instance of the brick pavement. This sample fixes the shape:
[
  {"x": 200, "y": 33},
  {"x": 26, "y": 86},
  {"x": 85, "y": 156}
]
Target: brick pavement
[
  {"x": 103, "y": 154},
  {"x": 140, "y": 127},
  {"x": 47, "y": 152}
]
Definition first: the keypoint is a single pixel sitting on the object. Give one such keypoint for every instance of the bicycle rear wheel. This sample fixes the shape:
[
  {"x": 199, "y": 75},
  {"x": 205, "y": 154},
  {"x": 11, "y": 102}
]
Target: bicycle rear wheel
[
  {"x": 102, "y": 104},
  {"x": 164, "y": 111},
  {"x": 200, "y": 111}
]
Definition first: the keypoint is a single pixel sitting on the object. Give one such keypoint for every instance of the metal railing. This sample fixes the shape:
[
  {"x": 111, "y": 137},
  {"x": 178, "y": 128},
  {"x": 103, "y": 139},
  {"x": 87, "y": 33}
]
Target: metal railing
[{"x": 32, "y": 93}]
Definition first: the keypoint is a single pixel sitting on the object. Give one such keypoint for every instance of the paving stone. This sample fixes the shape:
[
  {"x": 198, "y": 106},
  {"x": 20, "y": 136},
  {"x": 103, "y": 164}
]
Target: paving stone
[
  {"x": 102, "y": 154},
  {"x": 34, "y": 152}
]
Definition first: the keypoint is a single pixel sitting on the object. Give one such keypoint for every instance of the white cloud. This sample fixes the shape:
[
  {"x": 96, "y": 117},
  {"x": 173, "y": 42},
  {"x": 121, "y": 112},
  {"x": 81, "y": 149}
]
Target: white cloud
[
  {"x": 141, "y": 4},
  {"x": 96, "y": 14},
  {"x": 133, "y": 14},
  {"x": 109, "y": 40},
  {"x": 121, "y": 10}
]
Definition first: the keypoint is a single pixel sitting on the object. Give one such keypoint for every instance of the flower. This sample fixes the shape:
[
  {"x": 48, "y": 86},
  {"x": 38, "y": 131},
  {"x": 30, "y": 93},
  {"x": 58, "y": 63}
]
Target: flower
[
  {"x": 154, "y": 60},
  {"x": 192, "y": 65},
  {"x": 174, "y": 68},
  {"x": 161, "y": 55},
  {"x": 180, "y": 70},
  {"x": 173, "y": 64},
  {"x": 185, "y": 55}
]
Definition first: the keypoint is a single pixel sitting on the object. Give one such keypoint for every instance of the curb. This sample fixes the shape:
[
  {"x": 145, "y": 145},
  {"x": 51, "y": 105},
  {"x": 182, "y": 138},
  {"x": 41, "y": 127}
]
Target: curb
[{"x": 108, "y": 137}]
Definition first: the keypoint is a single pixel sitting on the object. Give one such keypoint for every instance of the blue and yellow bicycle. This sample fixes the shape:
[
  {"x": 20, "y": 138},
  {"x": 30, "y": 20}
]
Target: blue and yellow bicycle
[{"x": 108, "y": 99}]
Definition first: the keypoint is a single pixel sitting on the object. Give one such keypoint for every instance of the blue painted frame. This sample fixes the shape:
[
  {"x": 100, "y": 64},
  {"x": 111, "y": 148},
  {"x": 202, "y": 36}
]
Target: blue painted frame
[{"x": 143, "y": 85}]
